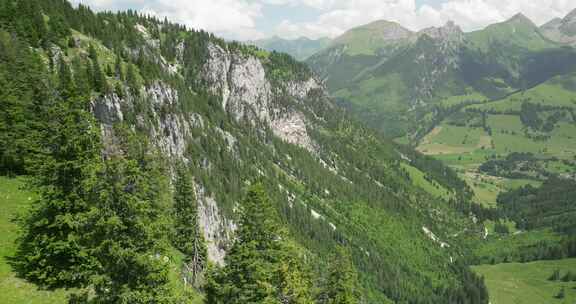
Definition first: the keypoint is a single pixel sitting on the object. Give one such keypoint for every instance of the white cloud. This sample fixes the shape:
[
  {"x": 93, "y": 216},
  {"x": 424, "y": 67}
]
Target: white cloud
[
  {"x": 339, "y": 15},
  {"x": 239, "y": 19},
  {"x": 234, "y": 19}
]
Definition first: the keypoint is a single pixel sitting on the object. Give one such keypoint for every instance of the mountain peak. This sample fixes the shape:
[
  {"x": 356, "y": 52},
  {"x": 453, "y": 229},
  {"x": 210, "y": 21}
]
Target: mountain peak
[
  {"x": 571, "y": 17},
  {"x": 520, "y": 19},
  {"x": 379, "y": 25},
  {"x": 449, "y": 31},
  {"x": 375, "y": 33},
  {"x": 568, "y": 26}
]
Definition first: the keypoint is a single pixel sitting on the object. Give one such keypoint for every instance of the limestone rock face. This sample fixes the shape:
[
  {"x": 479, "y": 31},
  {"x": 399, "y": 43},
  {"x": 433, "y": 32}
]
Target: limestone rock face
[
  {"x": 450, "y": 33},
  {"x": 246, "y": 94},
  {"x": 218, "y": 231}
]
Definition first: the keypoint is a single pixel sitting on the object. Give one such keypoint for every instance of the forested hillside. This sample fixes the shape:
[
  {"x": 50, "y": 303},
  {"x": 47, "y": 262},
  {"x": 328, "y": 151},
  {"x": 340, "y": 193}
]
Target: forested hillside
[
  {"x": 496, "y": 105},
  {"x": 171, "y": 166}
]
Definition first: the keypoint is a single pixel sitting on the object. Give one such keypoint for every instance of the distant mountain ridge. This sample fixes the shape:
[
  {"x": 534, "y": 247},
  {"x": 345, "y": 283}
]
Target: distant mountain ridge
[
  {"x": 562, "y": 30},
  {"x": 300, "y": 48},
  {"x": 390, "y": 76}
]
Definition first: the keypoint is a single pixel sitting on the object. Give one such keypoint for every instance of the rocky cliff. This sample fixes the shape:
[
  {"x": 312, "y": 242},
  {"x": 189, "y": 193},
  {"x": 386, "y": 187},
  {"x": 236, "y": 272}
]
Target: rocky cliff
[{"x": 244, "y": 90}]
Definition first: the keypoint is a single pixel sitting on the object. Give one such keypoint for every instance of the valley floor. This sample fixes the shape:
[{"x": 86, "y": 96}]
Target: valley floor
[{"x": 528, "y": 283}]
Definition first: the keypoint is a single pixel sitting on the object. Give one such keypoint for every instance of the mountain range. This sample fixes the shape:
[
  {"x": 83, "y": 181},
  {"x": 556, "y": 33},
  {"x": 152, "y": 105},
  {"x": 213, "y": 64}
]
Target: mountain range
[
  {"x": 392, "y": 77},
  {"x": 300, "y": 48},
  {"x": 466, "y": 98}
]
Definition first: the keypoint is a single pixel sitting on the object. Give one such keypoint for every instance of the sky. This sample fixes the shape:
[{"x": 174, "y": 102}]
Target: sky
[{"x": 289, "y": 19}]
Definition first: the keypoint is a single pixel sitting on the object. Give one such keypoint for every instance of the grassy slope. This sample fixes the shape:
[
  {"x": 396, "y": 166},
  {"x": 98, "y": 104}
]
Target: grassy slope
[
  {"x": 528, "y": 283},
  {"x": 432, "y": 187},
  {"x": 518, "y": 32},
  {"x": 559, "y": 91},
  {"x": 465, "y": 148},
  {"x": 14, "y": 201},
  {"x": 366, "y": 39},
  {"x": 501, "y": 247},
  {"x": 13, "y": 290}
]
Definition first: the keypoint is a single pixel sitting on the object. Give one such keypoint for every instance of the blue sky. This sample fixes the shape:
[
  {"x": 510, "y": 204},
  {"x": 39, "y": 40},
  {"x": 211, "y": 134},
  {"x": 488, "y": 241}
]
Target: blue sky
[{"x": 255, "y": 19}]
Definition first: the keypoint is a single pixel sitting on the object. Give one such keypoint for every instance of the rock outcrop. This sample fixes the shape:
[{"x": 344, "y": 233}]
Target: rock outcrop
[{"x": 246, "y": 94}]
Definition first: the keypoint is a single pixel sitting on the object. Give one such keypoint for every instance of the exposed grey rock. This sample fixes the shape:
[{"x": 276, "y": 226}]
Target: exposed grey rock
[
  {"x": 300, "y": 89},
  {"x": 292, "y": 129},
  {"x": 562, "y": 31},
  {"x": 108, "y": 109},
  {"x": 449, "y": 33},
  {"x": 434, "y": 238},
  {"x": 218, "y": 231},
  {"x": 56, "y": 54},
  {"x": 230, "y": 140},
  {"x": 520, "y": 19},
  {"x": 552, "y": 24},
  {"x": 247, "y": 94},
  {"x": 151, "y": 49}
]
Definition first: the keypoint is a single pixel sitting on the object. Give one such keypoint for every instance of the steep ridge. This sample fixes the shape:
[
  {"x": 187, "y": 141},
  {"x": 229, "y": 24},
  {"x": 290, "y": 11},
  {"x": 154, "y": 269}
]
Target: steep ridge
[
  {"x": 561, "y": 30},
  {"x": 235, "y": 114}
]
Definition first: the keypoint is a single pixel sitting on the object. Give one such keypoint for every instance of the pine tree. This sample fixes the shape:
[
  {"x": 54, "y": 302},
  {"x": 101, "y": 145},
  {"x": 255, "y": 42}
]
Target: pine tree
[
  {"x": 126, "y": 235},
  {"x": 342, "y": 284},
  {"x": 51, "y": 252},
  {"x": 23, "y": 95},
  {"x": 58, "y": 30},
  {"x": 262, "y": 266},
  {"x": 81, "y": 78},
  {"x": 100, "y": 83},
  {"x": 132, "y": 79},
  {"x": 66, "y": 85},
  {"x": 188, "y": 237},
  {"x": 294, "y": 276},
  {"x": 99, "y": 79}
]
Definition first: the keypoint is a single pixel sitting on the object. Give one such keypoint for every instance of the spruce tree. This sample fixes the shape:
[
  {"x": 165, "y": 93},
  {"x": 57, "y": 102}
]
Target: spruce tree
[
  {"x": 82, "y": 80},
  {"x": 23, "y": 96},
  {"x": 66, "y": 85},
  {"x": 342, "y": 284},
  {"x": 51, "y": 252},
  {"x": 126, "y": 233},
  {"x": 58, "y": 30},
  {"x": 262, "y": 266},
  {"x": 188, "y": 237},
  {"x": 132, "y": 79},
  {"x": 100, "y": 83}
]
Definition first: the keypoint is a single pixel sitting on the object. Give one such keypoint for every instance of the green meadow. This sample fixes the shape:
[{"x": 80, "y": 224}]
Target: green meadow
[
  {"x": 430, "y": 186},
  {"x": 13, "y": 290},
  {"x": 517, "y": 283}
]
